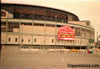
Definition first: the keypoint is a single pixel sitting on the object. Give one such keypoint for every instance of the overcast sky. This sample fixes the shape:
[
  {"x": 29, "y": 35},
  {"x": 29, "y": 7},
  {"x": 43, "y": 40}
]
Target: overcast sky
[{"x": 84, "y": 9}]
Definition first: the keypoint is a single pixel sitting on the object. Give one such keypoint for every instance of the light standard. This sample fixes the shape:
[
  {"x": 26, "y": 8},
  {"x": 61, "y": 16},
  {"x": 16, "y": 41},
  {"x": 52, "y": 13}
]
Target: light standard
[
  {"x": 55, "y": 29},
  {"x": 2, "y": 48},
  {"x": 56, "y": 39},
  {"x": 22, "y": 35}
]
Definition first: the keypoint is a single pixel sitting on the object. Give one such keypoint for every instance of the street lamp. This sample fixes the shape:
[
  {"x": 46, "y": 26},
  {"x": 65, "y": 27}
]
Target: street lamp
[
  {"x": 56, "y": 29},
  {"x": 22, "y": 35}
]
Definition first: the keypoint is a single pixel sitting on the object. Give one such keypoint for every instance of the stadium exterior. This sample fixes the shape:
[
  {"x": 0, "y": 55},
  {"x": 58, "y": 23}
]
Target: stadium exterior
[{"x": 34, "y": 28}]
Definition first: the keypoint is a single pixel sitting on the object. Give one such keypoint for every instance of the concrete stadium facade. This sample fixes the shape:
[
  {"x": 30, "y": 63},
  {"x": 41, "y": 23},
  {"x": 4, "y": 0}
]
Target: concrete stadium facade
[{"x": 33, "y": 28}]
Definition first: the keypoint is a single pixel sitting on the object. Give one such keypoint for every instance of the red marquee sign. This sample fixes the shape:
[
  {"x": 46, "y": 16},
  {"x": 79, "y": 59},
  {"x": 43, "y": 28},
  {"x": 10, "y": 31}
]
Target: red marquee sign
[{"x": 66, "y": 33}]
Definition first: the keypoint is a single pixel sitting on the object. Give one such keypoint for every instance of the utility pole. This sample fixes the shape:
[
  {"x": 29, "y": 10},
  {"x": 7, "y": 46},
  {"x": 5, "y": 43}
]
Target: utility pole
[{"x": 97, "y": 40}]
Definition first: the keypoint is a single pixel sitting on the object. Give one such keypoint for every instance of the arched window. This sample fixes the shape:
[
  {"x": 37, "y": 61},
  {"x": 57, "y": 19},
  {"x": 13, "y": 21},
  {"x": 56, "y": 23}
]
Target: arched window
[
  {"x": 15, "y": 39},
  {"x": 28, "y": 40},
  {"x": 35, "y": 40},
  {"x": 9, "y": 39},
  {"x": 4, "y": 14},
  {"x": 52, "y": 40}
]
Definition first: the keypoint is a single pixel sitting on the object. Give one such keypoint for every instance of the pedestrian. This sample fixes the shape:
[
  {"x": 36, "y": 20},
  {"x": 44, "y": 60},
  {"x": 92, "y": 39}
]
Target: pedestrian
[{"x": 88, "y": 51}]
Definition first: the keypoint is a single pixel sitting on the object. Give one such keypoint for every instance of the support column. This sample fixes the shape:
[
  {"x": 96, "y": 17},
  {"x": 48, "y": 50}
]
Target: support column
[
  {"x": 80, "y": 36},
  {"x": 6, "y": 29},
  {"x": 45, "y": 29},
  {"x": 32, "y": 28}
]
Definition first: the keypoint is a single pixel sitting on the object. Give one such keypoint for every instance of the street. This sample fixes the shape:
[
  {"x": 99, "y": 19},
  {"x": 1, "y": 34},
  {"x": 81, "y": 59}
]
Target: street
[{"x": 46, "y": 60}]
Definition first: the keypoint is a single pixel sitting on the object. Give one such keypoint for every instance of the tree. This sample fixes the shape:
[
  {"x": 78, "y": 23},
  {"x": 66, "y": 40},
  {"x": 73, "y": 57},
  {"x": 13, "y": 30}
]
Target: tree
[{"x": 91, "y": 41}]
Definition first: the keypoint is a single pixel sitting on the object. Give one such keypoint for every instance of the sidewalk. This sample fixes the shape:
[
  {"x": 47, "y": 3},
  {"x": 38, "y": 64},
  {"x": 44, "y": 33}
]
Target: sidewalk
[{"x": 96, "y": 52}]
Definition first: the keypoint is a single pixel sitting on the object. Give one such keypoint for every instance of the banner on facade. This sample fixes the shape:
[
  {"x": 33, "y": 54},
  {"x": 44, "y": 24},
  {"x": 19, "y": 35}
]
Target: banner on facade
[{"x": 66, "y": 33}]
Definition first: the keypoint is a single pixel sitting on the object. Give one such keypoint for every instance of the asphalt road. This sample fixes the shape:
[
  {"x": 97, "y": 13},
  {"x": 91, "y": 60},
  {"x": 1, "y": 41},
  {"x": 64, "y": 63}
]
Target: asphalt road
[{"x": 47, "y": 60}]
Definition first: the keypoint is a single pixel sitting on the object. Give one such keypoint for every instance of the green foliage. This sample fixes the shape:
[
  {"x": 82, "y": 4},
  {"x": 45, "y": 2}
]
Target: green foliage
[{"x": 91, "y": 41}]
